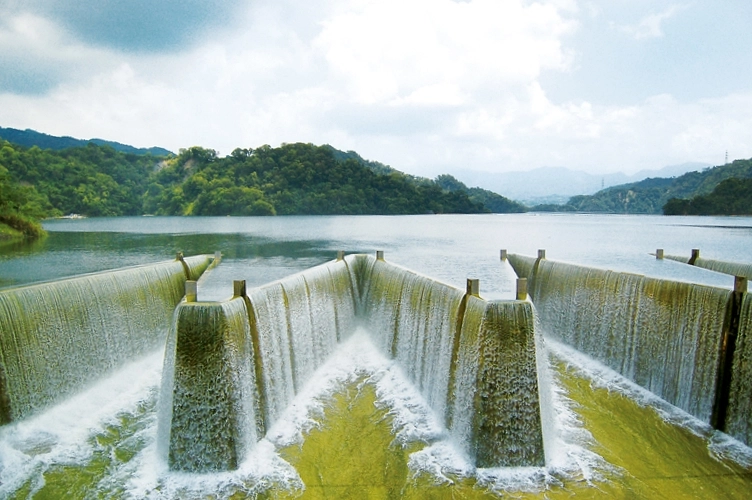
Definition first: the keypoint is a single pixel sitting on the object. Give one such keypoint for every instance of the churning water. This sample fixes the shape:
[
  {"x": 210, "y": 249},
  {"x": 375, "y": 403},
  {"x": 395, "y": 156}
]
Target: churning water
[{"x": 104, "y": 442}]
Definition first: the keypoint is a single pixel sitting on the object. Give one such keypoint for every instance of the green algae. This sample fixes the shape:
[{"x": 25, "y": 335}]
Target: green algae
[
  {"x": 657, "y": 459},
  {"x": 112, "y": 448},
  {"x": 353, "y": 453}
]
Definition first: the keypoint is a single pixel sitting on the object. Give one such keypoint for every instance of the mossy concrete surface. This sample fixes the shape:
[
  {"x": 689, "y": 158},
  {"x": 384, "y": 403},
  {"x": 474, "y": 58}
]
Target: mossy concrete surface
[{"x": 353, "y": 453}]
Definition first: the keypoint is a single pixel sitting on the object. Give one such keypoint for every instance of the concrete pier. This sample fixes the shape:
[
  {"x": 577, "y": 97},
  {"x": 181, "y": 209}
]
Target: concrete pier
[{"x": 479, "y": 370}]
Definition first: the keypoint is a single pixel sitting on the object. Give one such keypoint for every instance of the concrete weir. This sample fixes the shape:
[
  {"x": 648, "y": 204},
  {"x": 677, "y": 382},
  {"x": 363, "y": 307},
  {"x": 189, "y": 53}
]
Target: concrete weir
[
  {"x": 60, "y": 336},
  {"x": 687, "y": 343},
  {"x": 235, "y": 365}
]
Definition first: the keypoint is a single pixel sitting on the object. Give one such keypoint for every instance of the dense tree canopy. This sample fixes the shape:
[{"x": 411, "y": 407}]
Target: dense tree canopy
[
  {"x": 21, "y": 205},
  {"x": 652, "y": 196},
  {"x": 93, "y": 180},
  {"x": 730, "y": 197},
  {"x": 292, "y": 179}
]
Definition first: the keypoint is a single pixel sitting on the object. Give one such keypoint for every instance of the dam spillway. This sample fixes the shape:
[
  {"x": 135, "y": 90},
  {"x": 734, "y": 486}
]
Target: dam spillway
[
  {"x": 721, "y": 266},
  {"x": 473, "y": 360},
  {"x": 59, "y": 336},
  {"x": 150, "y": 479},
  {"x": 687, "y": 343}
]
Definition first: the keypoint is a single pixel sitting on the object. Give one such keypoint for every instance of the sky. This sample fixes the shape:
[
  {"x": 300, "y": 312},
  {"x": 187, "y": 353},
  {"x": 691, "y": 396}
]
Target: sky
[{"x": 425, "y": 86}]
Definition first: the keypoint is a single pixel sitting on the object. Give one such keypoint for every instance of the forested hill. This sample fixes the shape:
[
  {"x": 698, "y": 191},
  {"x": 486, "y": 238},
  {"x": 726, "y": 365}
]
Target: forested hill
[
  {"x": 493, "y": 202},
  {"x": 29, "y": 138},
  {"x": 292, "y": 179},
  {"x": 651, "y": 195},
  {"x": 732, "y": 196},
  {"x": 93, "y": 180}
]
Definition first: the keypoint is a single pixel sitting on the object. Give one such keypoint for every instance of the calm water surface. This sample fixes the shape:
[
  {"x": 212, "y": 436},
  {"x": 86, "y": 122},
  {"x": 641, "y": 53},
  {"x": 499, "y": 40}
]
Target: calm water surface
[{"x": 450, "y": 248}]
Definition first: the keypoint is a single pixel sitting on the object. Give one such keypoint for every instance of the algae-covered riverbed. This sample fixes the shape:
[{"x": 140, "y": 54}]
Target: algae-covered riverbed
[{"x": 361, "y": 433}]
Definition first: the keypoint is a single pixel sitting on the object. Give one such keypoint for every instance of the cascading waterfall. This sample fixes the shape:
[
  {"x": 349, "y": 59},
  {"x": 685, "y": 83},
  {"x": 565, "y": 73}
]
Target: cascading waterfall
[
  {"x": 298, "y": 321},
  {"x": 523, "y": 265},
  {"x": 212, "y": 393},
  {"x": 269, "y": 319},
  {"x": 680, "y": 366},
  {"x": 275, "y": 337},
  {"x": 473, "y": 360},
  {"x": 739, "y": 417},
  {"x": 664, "y": 335},
  {"x": 725, "y": 267},
  {"x": 57, "y": 337},
  {"x": 506, "y": 419},
  {"x": 414, "y": 320}
]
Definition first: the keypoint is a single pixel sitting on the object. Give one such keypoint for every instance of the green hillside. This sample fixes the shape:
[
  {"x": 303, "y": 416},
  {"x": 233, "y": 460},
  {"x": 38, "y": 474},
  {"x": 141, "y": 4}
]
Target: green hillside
[
  {"x": 651, "y": 195},
  {"x": 730, "y": 197},
  {"x": 292, "y": 179},
  {"x": 494, "y": 202},
  {"x": 21, "y": 206},
  {"x": 92, "y": 180}
]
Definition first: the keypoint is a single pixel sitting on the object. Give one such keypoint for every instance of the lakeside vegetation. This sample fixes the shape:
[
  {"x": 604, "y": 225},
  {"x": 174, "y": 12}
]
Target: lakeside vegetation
[
  {"x": 721, "y": 190},
  {"x": 730, "y": 197},
  {"x": 21, "y": 207},
  {"x": 293, "y": 179},
  {"x": 97, "y": 179}
]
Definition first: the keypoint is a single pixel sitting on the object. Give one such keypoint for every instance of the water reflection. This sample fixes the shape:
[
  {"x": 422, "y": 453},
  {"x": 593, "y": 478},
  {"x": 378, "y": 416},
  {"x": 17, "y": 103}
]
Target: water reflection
[
  {"x": 449, "y": 248},
  {"x": 64, "y": 254}
]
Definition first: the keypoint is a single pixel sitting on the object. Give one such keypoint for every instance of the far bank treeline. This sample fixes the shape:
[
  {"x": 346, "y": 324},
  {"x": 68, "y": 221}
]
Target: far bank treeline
[
  {"x": 721, "y": 190},
  {"x": 288, "y": 180}
]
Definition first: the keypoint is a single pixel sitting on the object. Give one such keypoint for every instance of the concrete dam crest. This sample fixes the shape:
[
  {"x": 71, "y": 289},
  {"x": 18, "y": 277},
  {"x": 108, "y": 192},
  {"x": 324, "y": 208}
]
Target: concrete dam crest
[
  {"x": 232, "y": 367},
  {"x": 687, "y": 343}
]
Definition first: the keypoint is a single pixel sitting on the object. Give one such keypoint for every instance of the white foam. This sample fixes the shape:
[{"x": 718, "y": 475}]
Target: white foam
[
  {"x": 720, "y": 445},
  {"x": 64, "y": 433},
  {"x": 358, "y": 359}
]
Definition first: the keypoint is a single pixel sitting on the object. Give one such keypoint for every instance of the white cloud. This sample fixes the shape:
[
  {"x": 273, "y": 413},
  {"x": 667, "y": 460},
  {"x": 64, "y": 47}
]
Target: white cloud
[
  {"x": 439, "y": 94},
  {"x": 35, "y": 54},
  {"x": 651, "y": 25},
  {"x": 387, "y": 50},
  {"x": 427, "y": 87}
]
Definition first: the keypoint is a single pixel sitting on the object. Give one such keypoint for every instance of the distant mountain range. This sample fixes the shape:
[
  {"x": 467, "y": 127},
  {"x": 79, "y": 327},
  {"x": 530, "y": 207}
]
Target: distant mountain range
[
  {"x": 555, "y": 185},
  {"x": 28, "y": 138}
]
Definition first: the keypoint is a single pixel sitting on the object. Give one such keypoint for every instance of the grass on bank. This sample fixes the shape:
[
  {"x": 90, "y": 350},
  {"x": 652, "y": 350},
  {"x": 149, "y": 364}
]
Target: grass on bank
[{"x": 16, "y": 227}]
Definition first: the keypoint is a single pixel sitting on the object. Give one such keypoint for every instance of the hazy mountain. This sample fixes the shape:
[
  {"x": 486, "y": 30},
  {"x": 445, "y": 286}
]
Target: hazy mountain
[
  {"x": 29, "y": 138},
  {"x": 557, "y": 184}
]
